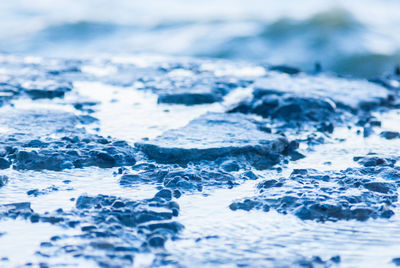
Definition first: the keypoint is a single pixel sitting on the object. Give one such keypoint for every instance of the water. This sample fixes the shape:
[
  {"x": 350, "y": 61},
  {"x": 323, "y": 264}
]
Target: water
[{"x": 358, "y": 37}]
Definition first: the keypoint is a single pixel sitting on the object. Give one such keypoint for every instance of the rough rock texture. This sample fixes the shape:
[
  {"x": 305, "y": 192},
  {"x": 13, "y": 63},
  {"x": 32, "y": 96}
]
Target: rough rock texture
[
  {"x": 36, "y": 80},
  {"x": 374, "y": 160},
  {"x": 190, "y": 84},
  {"x": 53, "y": 140},
  {"x": 329, "y": 196},
  {"x": 216, "y": 135},
  {"x": 180, "y": 179},
  {"x": 321, "y": 100},
  {"x": 194, "y": 90},
  {"x": 3, "y": 180},
  {"x": 116, "y": 228}
]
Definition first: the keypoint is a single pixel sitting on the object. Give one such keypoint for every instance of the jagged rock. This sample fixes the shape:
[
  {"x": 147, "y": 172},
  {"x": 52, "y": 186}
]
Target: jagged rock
[
  {"x": 328, "y": 196},
  {"x": 320, "y": 100},
  {"x": 214, "y": 136}
]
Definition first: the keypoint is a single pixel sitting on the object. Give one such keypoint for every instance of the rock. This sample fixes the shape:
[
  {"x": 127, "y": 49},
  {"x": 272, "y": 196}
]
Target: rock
[
  {"x": 372, "y": 161},
  {"x": 380, "y": 187},
  {"x": 351, "y": 93},
  {"x": 189, "y": 98},
  {"x": 285, "y": 69},
  {"x": 230, "y": 165},
  {"x": 269, "y": 183},
  {"x": 250, "y": 175},
  {"x": 115, "y": 227},
  {"x": 247, "y": 205},
  {"x": 54, "y": 141},
  {"x": 3, "y": 180},
  {"x": 37, "y": 192},
  {"x": 183, "y": 86},
  {"x": 156, "y": 241},
  {"x": 129, "y": 179},
  {"x": 389, "y": 135},
  {"x": 4, "y": 163},
  {"x": 396, "y": 261},
  {"x": 214, "y": 136},
  {"x": 15, "y": 210},
  {"x": 177, "y": 193},
  {"x": 165, "y": 194},
  {"x": 46, "y": 89},
  {"x": 327, "y": 196},
  {"x": 320, "y": 101}
]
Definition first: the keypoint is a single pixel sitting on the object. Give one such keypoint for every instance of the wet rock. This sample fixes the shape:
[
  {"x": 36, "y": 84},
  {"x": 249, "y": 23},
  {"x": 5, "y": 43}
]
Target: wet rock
[
  {"x": 46, "y": 89},
  {"x": 183, "y": 86},
  {"x": 37, "y": 192},
  {"x": 184, "y": 179},
  {"x": 380, "y": 187},
  {"x": 396, "y": 261},
  {"x": 389, "y": 135},
  {"x": 3, "y": 180},
  {"x": 156, "y": 241},
  {"x": 115, "y": 227},
  {"x": 214, "y": 136},
  {"x": 320, "y": 100},
  {"x": 317, "y": 261},
  {"x": 269, "y": 183},
  {"x": 189, "y": 98},
  {"x": 4, "y": 163},
  {"x": 177, "y": 193},
  {"x": 54, "y": 141},
  {"x": 285, "y": 69},
  {"x": 247, "y": 205},
  {"x": 250, "y": 175},
  {"x": 230, "y": 166},
  {"x": 16, "y": 210},
  {"x": 129, "y": 179},
  {"x": 372, "y": 161},
  {"x": 358, "y": 194},
  {"x": 165, "y": 194}
]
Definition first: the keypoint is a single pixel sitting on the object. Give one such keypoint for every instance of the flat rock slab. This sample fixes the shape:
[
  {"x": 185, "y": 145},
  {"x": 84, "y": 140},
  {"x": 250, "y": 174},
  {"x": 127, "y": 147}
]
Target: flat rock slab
[
  {"x": 319, "y": 99},
  {"x": 216, "y": 135},
  {"x": 195, "y": 89},
  {"x": 348, "y": 92}
]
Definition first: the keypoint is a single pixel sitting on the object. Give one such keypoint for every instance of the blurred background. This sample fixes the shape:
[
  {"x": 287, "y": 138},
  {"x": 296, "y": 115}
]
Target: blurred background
[{"x": 359, "y": 37}]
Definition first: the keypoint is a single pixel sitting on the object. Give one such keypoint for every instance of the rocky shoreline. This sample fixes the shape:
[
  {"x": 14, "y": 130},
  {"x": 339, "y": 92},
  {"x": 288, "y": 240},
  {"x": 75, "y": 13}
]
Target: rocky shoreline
[{"x": 282, "y": 117}]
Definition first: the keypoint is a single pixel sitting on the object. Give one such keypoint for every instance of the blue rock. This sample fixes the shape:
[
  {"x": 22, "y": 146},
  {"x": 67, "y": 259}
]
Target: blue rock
[{"x": 214, "y": 136}]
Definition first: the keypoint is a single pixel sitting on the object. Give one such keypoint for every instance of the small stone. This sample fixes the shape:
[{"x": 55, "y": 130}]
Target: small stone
[
  {"x": 396, "y": 261},
  {"x": 177, "y": 193},
  {"x": 4, "y": 164},
  {"x": 380, "y": 187},
  {"x": 165, "y": 194},
  {"x": 230, "y": 166},
  {"x": 3, "y": 180},
  {"x": 156, "y": 241},
  {"x": 389, "y": 135}
]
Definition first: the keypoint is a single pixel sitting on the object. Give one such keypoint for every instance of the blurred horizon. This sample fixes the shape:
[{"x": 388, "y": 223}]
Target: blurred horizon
[{"x": 357, "y": 38}]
